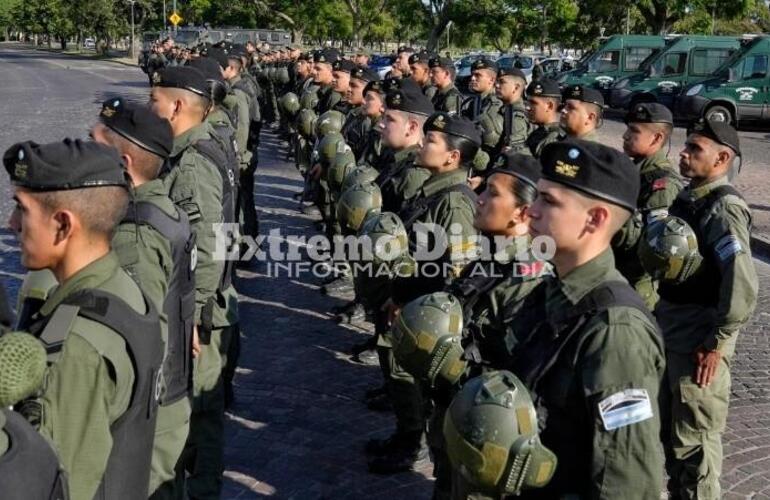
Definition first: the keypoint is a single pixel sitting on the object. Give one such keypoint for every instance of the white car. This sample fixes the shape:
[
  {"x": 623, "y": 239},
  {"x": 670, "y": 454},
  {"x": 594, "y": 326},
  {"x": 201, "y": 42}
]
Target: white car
[{"x": 89, "y": 43}]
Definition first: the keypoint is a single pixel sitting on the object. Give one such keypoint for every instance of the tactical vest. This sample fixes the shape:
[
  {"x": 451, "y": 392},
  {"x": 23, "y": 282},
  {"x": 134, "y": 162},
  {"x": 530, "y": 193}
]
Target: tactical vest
[
  {"x": 702, "y": 287},
  {"x": 412, "y": 212},
  {"x": 179, "y": 304},
  {"x": 127, "y": 474},
  {"x": 471, "y": 107},
  {"x": 440, "y": 100},
  {"x": 355, "y": 132},
  {"x": 390, "y": 201},
  {"x": 30, "y": 469},
  {"x": 509, "y": 114}
]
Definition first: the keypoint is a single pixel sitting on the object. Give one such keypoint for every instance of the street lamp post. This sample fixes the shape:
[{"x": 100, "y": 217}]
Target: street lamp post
[{"x": 131, "y": 47}]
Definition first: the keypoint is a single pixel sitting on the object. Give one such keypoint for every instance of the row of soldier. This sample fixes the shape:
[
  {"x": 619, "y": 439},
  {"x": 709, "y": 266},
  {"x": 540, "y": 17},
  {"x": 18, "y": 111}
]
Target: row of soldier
[{"x": 516, "y": 376}]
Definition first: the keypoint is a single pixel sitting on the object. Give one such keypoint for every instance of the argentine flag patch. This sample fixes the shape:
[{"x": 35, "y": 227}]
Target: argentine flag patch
[
  {"x": 624, "y": 408},
  {"x": 727, "y": 247}
]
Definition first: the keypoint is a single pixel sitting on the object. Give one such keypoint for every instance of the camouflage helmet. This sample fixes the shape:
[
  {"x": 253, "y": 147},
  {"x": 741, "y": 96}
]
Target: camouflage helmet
[
  {"x": 356, "y": 204},
  {"x": 360, "y": 174},
  {"x": 491, "y": 436},
  {"x": 282, "y": 75},
  {"x": 341, "y": 165},
  {"x": 328, "y": 146},
  {"x": 289, "y": 103},
  {"x": 388, "y": 238},
  {"x": 668, "y": 250},
  {"x": 426, "y": 338},
  {"x": 308, "y": 100},
  {"x": 306, "y": 122},
  {"x": 331, "y": 121}
]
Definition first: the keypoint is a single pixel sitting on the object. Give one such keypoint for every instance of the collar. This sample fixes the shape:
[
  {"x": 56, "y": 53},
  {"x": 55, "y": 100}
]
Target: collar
[
  {"x": 654, "y": 162},
  {"x": 405, "y": 153},
  {"x": 150, "y": 189},
  {"x": 585, "y": 278},
  {"x": 91, "y": 276},
  {"x": 694, "y": 194},
  {"x": 185, "y": 140},
  {"x": 439, "y": 182}
]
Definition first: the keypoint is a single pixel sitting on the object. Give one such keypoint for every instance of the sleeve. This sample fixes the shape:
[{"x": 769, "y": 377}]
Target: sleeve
[
  {"x": 242, "y": 128},
  {"x": 517, "y": 140},
  {"x": 154, "y": 267},
  {"x": 728, "y": 237},
  {"x": 621, "y": 371}
]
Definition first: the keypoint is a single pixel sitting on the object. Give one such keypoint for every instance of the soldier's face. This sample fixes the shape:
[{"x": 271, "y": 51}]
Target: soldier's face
[
  {"x": 440, "y": 77},
  {"x": 560, "y": 213},
  {"x": 703, "y": 158},
  {"x": 373, "y": 105},
  {"x": 508, "y": 89},
  {"x": 395, "y": 127},
  {"x": 162, "y": 104},
  {"x": 403, "y": 62},
  {"x": 576, "y": 117},
  {"x": 38, "y": 230},
  {"x": 355, "y": 95},
  {"x": 541, "y": 110},
  {"x": 341, "y": 82},
  {"x": 482, "y": 81},
  {"x": 419, "y": 73},
  {"x": 496, "y": 210},
  {"x": 302, "y": 69},
  {"x": 361, "y": 60},
  {"x": 642, "y": 140},
  {"x": 435, "y": 152},
  {"x": 322, "y": 73}
]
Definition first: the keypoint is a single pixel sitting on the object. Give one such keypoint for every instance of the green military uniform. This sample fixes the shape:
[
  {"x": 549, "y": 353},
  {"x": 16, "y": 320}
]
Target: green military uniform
[
  {"x": 401, "y": 180},
  {"x": 490, "y": 120},
  {"x": 328, "y": 98},
  {"x": 356, "y": 131},
  {"x": 374, "y": 151},
  {"x": 707, "y": 310},
  {"x": 429, "y": 90},
  {"x": 238, "y": 100},
  {"x": 516, "y": 128},
  {"x": 659, "y": 187},
  {"x": 449, "y": 99},
  {"x": 542, "y": 136}
]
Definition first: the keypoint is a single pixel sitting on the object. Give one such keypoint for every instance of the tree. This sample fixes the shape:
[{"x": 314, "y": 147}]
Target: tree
[
  {"x": 365, "y": 14},
  {"x": 661, "y": 15}
]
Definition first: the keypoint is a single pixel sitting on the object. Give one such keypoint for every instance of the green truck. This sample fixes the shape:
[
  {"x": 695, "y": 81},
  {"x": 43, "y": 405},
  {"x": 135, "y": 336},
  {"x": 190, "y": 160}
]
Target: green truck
[
  {"x": 738, "y": 91},
  {"x": 619, "y": 56},
  {"x": 685, "y": 60}
]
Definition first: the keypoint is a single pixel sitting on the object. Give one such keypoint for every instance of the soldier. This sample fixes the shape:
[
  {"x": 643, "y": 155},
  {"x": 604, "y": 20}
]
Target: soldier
[
  {"x": 484, "y": 108},
  {"x": 361, "y": 57},
  {"x": 649, "y": 128},
  {"x": 590, "y": 321},
  {"x": 358, "y": 124},
  {"x": 420, "y": 73},
  {"x": 581, "y": 113},
  {"x": 442, "y": 74},
  {"x": 510, "y": 86},
  {"x": 155, "y": 246},
  {"x": 701, "y": 317},
  {"x": 102, "y": 335},
  {"x": 401, "y": 64},
  {"x": 304, "y": 73},
  {"x": 543, "y": 104},
  {"x": 341, "y": 70},
  {"x": 196, "y": 184},
  {"x": 324, "y": 78},
  {"x": 374, "y": 153}
]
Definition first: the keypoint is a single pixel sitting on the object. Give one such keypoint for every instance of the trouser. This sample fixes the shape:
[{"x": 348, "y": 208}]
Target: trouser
[
  {"x": 693, "y": 420},
  {"x": 246, "y": 193},
  {"x": 405, "y": 396},
  {"x": 171, "y": 431},
  {"x": 232, "y": 355},
  {"x": 442, "y": 468}
]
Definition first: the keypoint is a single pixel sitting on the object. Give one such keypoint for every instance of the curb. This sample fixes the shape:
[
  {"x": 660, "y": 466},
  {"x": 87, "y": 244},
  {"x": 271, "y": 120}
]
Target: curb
[
  {"x": 91, "y": 58},
  {"x": 760, "y": 247}
]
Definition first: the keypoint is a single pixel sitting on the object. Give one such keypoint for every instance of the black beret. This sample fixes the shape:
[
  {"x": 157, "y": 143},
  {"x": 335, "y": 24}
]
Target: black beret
[
  {"x": 237, "y": 51},
  {"x": 584, "y": 94},
  {"x": 139, "y": 125},
  {"x": 456, "y": 125},
  {"x": 209, "y": 67},
  {"x": 409, "y": 99},
  {"x": 375, "y": 86},
  {"x": 305, "y": 56},
  {"x": 419, "y": 57},
  {"x": 343, "y": 65},
  {"x": 484, "y": 63},
  {"x": 719, "y": 132},
  {"x": 594, "y": 169},
  {"x": 405, "y": 48},
  {"x": 544, "y": 87},
  {"x": 649, "y": 112},
  {"x": 365, "y": 74},
  {"x": 328, "y": 56},
  {"x": 513, "y": 71},
  {"x": 441, "y": 62},
  {"x": 182, "y": 77},
  {"x": 524, "y": 167},
  {"x": 58, "y": 166}
]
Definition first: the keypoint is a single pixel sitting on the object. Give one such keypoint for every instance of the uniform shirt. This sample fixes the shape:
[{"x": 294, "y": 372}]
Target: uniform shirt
[
  {"x": 239, "y": 101},
  {"x": 589, "y": 136},
  {"x": 687, "y": 326},
  {"x": 89, "y": 385},
  {"x": 195, "y": 185},
  {"x": 449, "y": 100},
  {"x": 356, "y": 131},
  {"x": 490, "y": 121},
  {"x": 542, "y": 136},
  {"x": 516, "y": 128},
  {"x": 401, "y": 179},
  {"x": 327, "y": 99},
  {"x": 611, "y": 354},
  {"x": 374, "y": 151}
]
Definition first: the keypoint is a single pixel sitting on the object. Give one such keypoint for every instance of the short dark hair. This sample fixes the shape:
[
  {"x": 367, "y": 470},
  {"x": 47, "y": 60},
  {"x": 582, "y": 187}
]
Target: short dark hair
[
  {"x": 467, "y": 148},
  {"x": 100, "y": 209}
]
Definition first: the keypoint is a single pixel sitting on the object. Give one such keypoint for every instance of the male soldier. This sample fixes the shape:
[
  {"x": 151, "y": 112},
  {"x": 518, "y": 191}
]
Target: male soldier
[
  {"x": 484, "y": 109},
  {"x": 304, "y": 73},
  {"x": 155, "y": 246},
  {"x": 324, "y": 78},
  {"x": 102, "y": 336},
  {"x": 402, "y": 61},
  {"x": 543, "y": 102},
  {"x": 649, "y": 127},
  {"x": 590, "y": 322},
  {"x": 509, "y": 87},
  {"x": 240, "y": 95},
  {"x": 420, "y": 73},
  {"x": 341, "y": 70},
  {"x": 442, "y": 74},
  {"x": 581, "y": 113},
  {"x": 361, "y": 57},
  {"x": 701, "y": 317},
  {"x": 195, "y": 183},
  {"x": 374, "y": 152},
  {"x": 358, "y": 124}
]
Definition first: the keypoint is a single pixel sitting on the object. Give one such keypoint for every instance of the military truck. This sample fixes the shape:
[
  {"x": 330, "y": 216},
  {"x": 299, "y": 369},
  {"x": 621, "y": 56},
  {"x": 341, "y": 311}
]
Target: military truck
[
  {"x": 619, "y": 56},
  {"x": 737, "y": 92},
  {"x": 684, "y": 60}
]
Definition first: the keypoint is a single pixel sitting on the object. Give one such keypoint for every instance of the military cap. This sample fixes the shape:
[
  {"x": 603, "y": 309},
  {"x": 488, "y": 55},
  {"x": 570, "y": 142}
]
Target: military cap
[
  {"x": 544, "y": 87},
  {"x": 139, "y": 125},
  {"x": 419, "y": 57},
  {"x": 584, "y": 94},
  {"x": 365, "y": 74},
  {"x": 409, "y": 99},
  {"x": 182, "y": 77},
  {"x": 375, "y": 86},
  {"x": 441, "y": 62},
  {"x": 649, "y": 112},
  {"x": 455, "y": 125},
  {"x": 594, "y": 169},
  {"x": 69, "y": 164},
  {"x": 719, "y": 132},
  {"x": 210, "y": 68},
  {"x": 405, "y": 48},
  {"x": 237, "y": 51},
  {"x": 484, "y": 63},
  {"x": 343, "y": 65},
  {"x": 524, "y": 167},
  {"x": 305, "y": 56},
  {"x": 513, "y": 71},
  {"x": 328, "y": 56}
]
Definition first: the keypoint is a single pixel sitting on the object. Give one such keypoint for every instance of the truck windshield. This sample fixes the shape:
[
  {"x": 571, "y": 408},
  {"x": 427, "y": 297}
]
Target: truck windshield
[
  {"x": 603, "y": 62},
  {"x": 669, "y": 63}
]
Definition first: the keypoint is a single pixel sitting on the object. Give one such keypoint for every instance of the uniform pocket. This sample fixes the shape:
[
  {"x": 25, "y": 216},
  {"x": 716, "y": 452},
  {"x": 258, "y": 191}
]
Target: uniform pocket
[{"x": 704, "y": 408}]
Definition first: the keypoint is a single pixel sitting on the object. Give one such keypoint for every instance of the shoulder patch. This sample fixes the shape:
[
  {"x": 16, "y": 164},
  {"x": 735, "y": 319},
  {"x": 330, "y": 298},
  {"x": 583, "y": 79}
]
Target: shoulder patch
[
  {"x": 727, "y": 247},
  {"x": 624, "y": 408},
  {"x": 659, "y": 184}
]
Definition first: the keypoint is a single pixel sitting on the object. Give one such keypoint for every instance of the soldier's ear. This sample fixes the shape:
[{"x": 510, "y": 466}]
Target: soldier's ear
[{"x": 65, "y": 222}]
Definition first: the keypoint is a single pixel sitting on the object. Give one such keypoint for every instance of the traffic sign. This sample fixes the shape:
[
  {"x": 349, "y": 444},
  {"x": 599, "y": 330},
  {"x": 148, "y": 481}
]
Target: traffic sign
[{"x": 175, "y": 18}]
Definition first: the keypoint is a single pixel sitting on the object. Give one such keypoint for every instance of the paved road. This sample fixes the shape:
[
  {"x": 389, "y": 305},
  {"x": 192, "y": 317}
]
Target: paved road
[{"x": 299, "y": 422}]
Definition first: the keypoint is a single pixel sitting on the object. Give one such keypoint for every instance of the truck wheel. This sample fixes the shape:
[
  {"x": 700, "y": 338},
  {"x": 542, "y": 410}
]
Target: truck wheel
[{"x": 719, "y": 113}]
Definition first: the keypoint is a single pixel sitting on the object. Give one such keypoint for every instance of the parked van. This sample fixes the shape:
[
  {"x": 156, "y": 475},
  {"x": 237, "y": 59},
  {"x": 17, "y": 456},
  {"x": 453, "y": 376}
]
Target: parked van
[
  {"x": 685, "y": 60},
  {"x": 619, "y": 56},
  {"x": 736, "y": 92}
]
